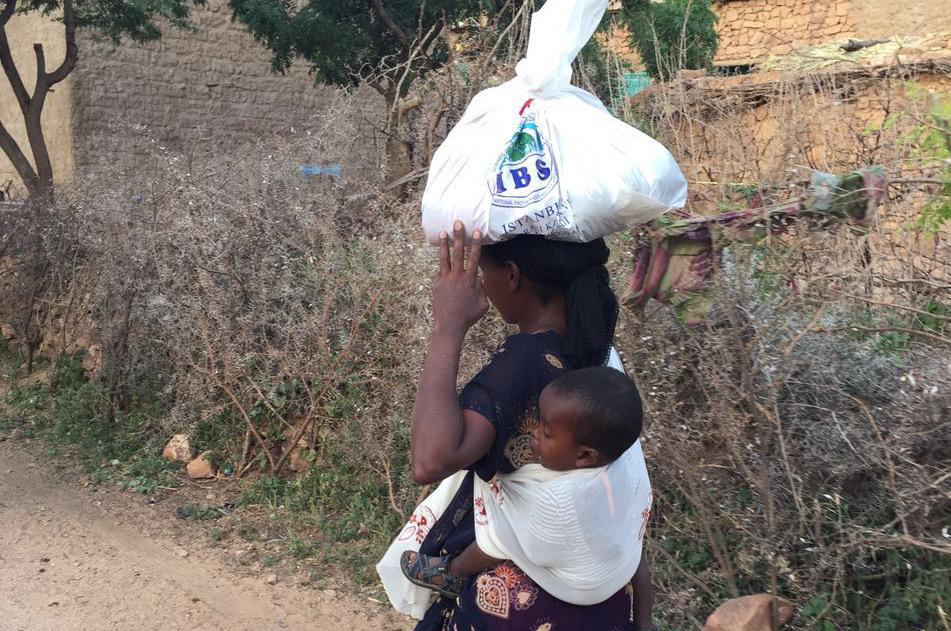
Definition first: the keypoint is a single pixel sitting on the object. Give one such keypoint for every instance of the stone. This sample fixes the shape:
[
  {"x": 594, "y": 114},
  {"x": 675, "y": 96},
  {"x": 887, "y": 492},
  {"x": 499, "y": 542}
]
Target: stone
[
  {"x": 92, "y": 360},
  {"x": 691, "y": 74},
  {"x": 910, "y": 51},
  {"x": 78, "y": 345},
  {"x": 201, "y": 468},
  {"x": 271, "y": 579},
  {"x": 749, "y": 613},
  {"x": 179, "y": 449},
  {"x": 299, "y": 460},
  {"x": 181, "y": 553}
]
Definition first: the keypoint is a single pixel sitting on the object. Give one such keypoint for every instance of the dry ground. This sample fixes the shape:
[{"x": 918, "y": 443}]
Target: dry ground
[{"x": 87, "y": 558}]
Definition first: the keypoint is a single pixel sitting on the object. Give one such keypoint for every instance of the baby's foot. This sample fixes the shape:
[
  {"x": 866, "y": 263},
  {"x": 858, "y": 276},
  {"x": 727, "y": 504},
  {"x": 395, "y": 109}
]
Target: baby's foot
[{"x": 431, "y": 572}]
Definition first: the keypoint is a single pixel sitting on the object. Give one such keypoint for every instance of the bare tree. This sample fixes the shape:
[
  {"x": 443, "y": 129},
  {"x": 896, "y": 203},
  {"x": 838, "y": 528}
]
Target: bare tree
[{"x": 38, "y": 175}]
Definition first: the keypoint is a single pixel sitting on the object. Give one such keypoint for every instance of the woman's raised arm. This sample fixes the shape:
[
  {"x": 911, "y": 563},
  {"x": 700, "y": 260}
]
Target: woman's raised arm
[{"x": 445, "y": 439}]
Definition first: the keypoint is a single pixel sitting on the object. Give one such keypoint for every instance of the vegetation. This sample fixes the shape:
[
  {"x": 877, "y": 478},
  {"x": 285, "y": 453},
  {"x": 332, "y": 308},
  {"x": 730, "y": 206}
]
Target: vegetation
[
  {"x": 672, "y": 35},
  {"x": 385, "y": 44},
  {"x": 348, "y": 42},
  {"x": 931, "y": 136},
  {"x": 797, "y": 441},
  {"x": 67, "y": 412}
]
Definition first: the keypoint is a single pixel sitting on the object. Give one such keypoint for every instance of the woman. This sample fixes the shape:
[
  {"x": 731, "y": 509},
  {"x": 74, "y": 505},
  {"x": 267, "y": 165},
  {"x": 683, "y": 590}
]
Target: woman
[{"x": 558, "y": 295}]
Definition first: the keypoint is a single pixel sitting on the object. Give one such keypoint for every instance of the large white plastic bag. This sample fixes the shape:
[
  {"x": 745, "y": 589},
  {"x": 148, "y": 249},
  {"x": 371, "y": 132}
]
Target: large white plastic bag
[{"x": 537, "y": 155}]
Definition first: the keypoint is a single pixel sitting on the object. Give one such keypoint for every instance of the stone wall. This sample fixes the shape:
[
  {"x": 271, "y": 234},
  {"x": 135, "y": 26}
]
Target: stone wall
[
  {"x": 23, "y": 31},
  {"x": 752, "y": 29},
  {"x": 207, "y": 90}
]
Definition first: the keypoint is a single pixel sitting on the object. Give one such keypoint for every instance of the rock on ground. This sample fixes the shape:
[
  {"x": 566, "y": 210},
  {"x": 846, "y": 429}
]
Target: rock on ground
[
  {"x": 201, "y": 468},
  {"x": 749, "y": 613},
  {"x": 179, "y": 449}
]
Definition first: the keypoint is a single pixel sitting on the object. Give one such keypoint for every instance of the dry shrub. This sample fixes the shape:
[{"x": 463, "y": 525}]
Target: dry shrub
[
  {"x": 281, "y": 320},
  {"x": 799, "y": 442},
  {"x": 791, "y": 461}
]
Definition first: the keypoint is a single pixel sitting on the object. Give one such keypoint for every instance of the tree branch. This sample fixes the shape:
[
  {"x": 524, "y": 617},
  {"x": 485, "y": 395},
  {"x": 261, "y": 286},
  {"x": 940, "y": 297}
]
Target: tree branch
[
  {"x": 19, "y": 160},
  {"x": 72, "y": 50},
  {"x": 6, "y": 59},
  {"x": 394, "y": 28},
  {"x": 40, "y": 65},
  {"x": 9, "y": 8}
]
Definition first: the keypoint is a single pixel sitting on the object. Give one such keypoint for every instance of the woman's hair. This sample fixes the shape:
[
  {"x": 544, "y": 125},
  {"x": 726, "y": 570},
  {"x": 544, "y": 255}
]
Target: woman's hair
[{"x": 578, "y": 271}]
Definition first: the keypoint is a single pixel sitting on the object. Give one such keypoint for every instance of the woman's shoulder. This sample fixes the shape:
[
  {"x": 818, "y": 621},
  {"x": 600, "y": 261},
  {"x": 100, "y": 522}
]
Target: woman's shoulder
[
  {"x": 522, "y": 364},
  {"x": 545, "y": 348}
]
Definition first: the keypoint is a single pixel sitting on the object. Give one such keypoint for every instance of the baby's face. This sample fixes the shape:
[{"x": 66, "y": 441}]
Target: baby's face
[{"x": 554, "y": 440}]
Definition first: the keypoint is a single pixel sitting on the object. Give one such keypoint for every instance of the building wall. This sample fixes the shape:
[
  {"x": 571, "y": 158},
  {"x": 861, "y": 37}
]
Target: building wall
[
  {"x": 752, "y": 29},
  {"x": 207, "y": 90},
  {"x": 880, "y": 19},
  {"x": 23, "y": 31}
]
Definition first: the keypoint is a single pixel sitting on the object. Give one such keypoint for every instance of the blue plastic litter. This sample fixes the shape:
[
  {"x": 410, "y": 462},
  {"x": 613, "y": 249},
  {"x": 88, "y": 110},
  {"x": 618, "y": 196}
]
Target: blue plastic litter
[{"x": 313, "y": 170}]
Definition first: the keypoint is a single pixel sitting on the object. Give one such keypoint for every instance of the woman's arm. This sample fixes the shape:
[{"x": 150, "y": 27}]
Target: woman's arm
[{"x": 444, "y": 438}]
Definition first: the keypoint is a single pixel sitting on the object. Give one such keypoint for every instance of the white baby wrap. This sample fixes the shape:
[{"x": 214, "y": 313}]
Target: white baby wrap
[{"x": 577, "y": 534}]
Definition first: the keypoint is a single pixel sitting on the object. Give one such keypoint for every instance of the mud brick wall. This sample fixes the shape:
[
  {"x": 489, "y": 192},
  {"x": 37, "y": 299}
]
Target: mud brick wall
[
  {"x": 753, "y": 29},
  {"x": 206, "y": 90},
  {"x": 881, "y": 19}
]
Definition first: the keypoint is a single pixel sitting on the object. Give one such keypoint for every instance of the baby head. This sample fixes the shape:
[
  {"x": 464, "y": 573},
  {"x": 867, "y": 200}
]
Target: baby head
[{"x": 588, "y": 418}]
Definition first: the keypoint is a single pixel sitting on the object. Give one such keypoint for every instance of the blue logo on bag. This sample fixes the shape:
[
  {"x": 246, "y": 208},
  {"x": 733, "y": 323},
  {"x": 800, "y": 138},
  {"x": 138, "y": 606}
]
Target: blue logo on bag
[{"x": 525, "y": 173}]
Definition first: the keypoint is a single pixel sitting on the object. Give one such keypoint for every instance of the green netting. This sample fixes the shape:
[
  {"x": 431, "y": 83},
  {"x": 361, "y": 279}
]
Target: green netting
[{"x": 636, "y": 82}]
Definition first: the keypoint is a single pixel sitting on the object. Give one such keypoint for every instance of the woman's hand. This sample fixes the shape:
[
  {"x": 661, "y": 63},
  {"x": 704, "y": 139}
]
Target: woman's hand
[
  {"x": 443, "y": 438},
  {"x": 459, "y": 299}
]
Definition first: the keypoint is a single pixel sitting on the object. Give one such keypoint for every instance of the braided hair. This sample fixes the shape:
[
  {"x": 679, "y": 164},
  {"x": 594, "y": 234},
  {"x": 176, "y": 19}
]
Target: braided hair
[{"x": 578, "y": 271}]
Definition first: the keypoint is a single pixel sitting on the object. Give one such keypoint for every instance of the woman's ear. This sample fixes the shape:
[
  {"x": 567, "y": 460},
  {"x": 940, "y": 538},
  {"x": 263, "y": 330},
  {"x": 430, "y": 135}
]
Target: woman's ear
[
  {"x": 513, "y": 274},
  {"x": 586, "y": 457}
]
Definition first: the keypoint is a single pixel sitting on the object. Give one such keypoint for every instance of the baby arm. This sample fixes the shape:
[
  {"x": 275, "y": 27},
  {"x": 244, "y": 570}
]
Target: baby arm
[{"x": 472, "y": 561}]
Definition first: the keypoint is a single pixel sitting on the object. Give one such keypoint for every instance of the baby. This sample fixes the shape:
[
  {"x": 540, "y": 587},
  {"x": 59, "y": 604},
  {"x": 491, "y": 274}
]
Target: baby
[{"x": 588, "y": 418}]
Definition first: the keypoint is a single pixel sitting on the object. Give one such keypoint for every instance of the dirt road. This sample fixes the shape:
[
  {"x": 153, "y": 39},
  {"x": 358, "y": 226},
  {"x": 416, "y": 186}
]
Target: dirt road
[{"x": 84, "y": 559}]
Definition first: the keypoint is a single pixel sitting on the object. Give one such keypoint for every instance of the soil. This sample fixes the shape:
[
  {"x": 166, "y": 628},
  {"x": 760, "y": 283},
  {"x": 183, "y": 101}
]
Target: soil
[{"x": 76, "y": 556}]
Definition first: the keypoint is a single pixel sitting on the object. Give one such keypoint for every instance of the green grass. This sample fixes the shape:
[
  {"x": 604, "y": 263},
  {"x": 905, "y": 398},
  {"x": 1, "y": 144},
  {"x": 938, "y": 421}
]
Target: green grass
[
  {"x": 72, "y": 417},
  {"x": 335, "y": 511}
]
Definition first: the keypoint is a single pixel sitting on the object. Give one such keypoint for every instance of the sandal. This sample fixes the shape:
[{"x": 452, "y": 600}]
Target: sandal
[{"x": 421, "y": 572}]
